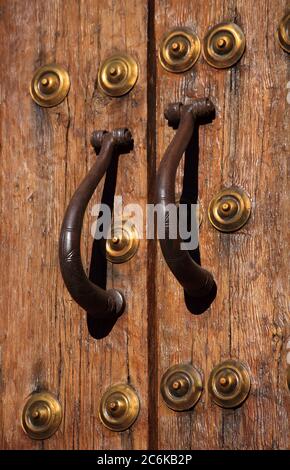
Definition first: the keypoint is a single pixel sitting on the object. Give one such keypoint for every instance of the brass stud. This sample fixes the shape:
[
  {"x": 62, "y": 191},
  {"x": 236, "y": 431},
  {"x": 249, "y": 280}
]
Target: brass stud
[
  {"x": 119, "y": 407},
  {"x": 179, "y": 50},
  {"x": 229, "y": 384},
  {"x": 123, "y": 244},
  {"x": 49, "y": 85},
  {"x": 117, "y": 75},
  {"x": 181, "y": 387},
  {"x": 41, "y": 415},
  {"x": 229, "y": 210},
  {"x": 224, "y": 45},
  {"x": 283, "y": 33}
]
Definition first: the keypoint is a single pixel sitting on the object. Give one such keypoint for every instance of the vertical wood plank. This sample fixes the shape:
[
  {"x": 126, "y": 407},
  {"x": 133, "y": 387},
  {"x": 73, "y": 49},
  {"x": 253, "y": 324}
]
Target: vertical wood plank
[
  {"x": 45, "y": 153},
  {"x": 244, "y": 146}
]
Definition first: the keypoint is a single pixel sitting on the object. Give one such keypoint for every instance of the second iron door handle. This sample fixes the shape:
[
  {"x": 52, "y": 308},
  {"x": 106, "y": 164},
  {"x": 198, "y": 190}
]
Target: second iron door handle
[{"x": 198, "y": 283}]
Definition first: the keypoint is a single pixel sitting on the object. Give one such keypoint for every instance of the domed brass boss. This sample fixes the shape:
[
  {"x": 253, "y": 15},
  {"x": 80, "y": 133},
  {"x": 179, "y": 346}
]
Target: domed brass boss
[
  {"x": 49, "y": 85},
  {"x": 283, "y": 33},
  {"x": 229, "y": 384},
  {"x": 119, "y": 407},
  {"x": 181, "y": 387},
  {"x": 41, "y": 415},
  {"x": 117, "y": 75},
  {"x": 123, "y": 244},
  {"x": 224, "y": 45},
  {"x": 179, "y": 50},
  {"x": 229, "y": 210}
]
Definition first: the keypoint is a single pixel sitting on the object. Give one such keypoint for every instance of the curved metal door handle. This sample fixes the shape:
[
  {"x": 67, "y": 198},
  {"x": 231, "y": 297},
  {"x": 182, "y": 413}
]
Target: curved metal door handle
[
  {"x": 96, "y": 301},
  {"x": 197, "y": 282}
]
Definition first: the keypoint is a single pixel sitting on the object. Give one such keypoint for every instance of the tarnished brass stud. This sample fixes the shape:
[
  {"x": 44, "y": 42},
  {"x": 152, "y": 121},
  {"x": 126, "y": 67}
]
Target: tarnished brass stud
[
  {"x": 229, "y": 210},
  {"x": 49, "y": 85},
  {"x": 224, "y": 45},
  {"x": 179, "y": 50},
  {"x": 283, "y": 33},
  {"x": 41, "y": 415},
  {"x": 119, "y": 407},
  {"x": 117, "y": 75},
  {"x": 123, "y": 244},
  {"x": 181, "y": 387},
  {"x": 229, "y": 384}
]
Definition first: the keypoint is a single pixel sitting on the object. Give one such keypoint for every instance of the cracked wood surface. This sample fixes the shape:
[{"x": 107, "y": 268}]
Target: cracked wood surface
[
  {"x": 246, "y": 146},
  {"x": 45, "y": 155}
]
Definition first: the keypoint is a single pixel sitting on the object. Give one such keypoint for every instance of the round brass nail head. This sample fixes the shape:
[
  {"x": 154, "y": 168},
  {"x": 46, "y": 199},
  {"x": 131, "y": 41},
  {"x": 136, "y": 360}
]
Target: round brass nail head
[
  {"x": 49, "y": 85},
  {"x": 224, "y": 45},
  {"x": 283, "y": 33},
  {"x": 123, "y": 244},
  {"x": 117, "y": 75},
  {"x": 229, "y": 384},
  {"x": 119, "y": 407},
  {"x": 229, "y": 210},
  {"x": 41, "y": 415},
  {"x": 179, "y": 50},
  {"x": 181, "y": 387}
]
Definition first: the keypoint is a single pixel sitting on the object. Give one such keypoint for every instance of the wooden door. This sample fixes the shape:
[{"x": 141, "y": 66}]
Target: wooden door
[
  {"x": 45, "y": 342},
  {"x": 245, "y": 146},
  {"x": 45, "y": 153}
]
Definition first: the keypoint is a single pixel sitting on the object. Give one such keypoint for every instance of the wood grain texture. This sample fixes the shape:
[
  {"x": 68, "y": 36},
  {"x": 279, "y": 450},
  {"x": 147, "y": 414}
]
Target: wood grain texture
[
  {"x": 45, "y": 153},
  {"x": 246, "y": 146}
]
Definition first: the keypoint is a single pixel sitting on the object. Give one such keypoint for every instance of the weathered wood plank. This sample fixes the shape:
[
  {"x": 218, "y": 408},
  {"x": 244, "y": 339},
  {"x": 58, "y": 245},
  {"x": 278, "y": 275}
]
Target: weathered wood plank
[
  {"x": 245, "y": 146},
  {"x": 45, "y": 155}
]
